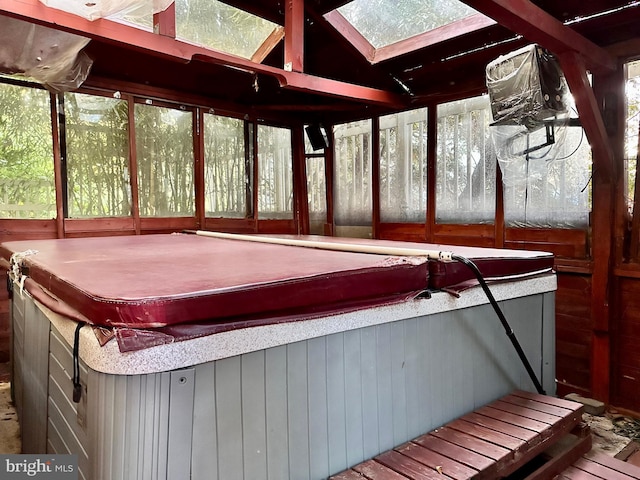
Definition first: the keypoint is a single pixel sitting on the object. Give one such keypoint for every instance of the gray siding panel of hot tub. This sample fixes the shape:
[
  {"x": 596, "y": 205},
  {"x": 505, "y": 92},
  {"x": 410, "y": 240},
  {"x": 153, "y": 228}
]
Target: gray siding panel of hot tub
[
  {"x": 66, "y": 419},
  {"x": 35, "y": 374},
  {"x": 305, "y": 410},
  {"x": 313, "y": 408}
]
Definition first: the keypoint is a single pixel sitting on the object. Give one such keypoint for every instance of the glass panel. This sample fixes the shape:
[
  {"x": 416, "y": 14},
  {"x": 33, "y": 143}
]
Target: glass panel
[
  {"x": 544, "y": 192},
  {"x": 317, "y": 194},
  {"x": 164, "y": 150},
  {"x": 353, "y": 197},
  {"x": 27, "y": 186},
  {"x": 97, "y": 156},
  {"x": 403, "y": 167},
  {"x": 275, "y": 173},
  {"x": 225, "y": 167},
  {"x": 466, "y": 163},
  {"x": 633, "y": 121},
  {"x": 383, "y": 22},
  {"x": 220, "y": 26}
]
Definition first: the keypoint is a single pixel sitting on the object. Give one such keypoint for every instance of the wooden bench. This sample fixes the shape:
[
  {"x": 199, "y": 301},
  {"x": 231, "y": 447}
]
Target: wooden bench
[{"x": 488, "y": 443}]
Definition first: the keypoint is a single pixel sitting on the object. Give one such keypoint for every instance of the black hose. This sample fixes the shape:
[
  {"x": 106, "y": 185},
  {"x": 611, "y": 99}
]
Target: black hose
[{"x": 507, "y": 328}]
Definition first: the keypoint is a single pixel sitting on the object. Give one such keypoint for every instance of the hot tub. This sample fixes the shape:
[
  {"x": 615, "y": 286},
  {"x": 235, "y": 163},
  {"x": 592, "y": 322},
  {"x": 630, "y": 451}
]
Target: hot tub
[{"x": 210, "y": 358}]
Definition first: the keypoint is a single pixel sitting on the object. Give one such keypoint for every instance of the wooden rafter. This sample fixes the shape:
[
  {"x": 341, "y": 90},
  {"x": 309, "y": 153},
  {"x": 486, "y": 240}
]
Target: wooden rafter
[
  {"x": 536, "y": 25},
  {"x": 166, "y": 47},
  {"x": 268, "y": 45},
  {"x": 351, "y": 34},
  {"x": 432, "y": 37}
]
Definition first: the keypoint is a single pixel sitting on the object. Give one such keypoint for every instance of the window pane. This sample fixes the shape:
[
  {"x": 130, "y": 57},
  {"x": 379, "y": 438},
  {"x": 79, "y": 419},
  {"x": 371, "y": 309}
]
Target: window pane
[
  {"x": 97, "y": 156},
  {"x": 226, "y": 170},
  {"x": 27, "y": 186},
  {"x": 549, "y": 190},
  {"x": 214, "y": 24},
  {"x": 403, "y": 167},
  {"x": 317, "y": 194},
  {"x": 164, "y": 150},
  {"x": 353, "y": 197},
  {"x": 633, "y": 120},
  {"x": 383, "y": 22},
  {"x": 466, "y": 163},
  {"x": 275, "y": 173}
]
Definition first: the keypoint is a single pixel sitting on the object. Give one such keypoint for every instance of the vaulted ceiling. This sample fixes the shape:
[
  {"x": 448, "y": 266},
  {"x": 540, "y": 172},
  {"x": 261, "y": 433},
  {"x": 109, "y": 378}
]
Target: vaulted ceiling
[{"x": 322, "y": 66}]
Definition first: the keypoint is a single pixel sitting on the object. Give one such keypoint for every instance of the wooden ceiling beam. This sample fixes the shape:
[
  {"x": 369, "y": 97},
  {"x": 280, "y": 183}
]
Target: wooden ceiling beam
[
  {"x": 163, "y": 46},
  {"x": 537, "y": 26}
]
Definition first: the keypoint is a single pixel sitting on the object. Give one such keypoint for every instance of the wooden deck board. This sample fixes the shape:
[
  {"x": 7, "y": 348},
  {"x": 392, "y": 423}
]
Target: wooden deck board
[
  {"x": 473, "y": 444},
  {"x": 491, "y": 442},
  {"x": 450, "y": 450},
  {"x": 613, "y": 463},
  {"x": 373, "y": 470},
  {"x": 449, "y": 467}
]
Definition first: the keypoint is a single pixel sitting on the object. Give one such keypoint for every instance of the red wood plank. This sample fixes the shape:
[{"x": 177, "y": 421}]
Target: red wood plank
[
  {"x": 502, "y": 427},
  {"x": 514, "y": 419},
  {"x": 350, "y": 475},
  {"x": 600, "y": 470},
  {"x": 487, "y": 434},
  {"x": 538, "y": 406},
  {"x": 473, "y": 443},
  {"x": 558, "y": 402},
  {"x": 462, "y": 455},
  {"x": 373, "y": 470},
  {"x": 573, "y": 473},
  {"x": 448, "y": 467},
  {"x": 407, "y": 466},
  {"x": 610, "y": 462},
  {"x": 525, "y": 412}
]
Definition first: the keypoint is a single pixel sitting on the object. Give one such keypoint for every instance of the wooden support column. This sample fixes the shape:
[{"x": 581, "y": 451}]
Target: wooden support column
[
  {"x": 301, "y": 197},
  {"x": 294, "y": 36},
  {"x": 575, "y": 72}
]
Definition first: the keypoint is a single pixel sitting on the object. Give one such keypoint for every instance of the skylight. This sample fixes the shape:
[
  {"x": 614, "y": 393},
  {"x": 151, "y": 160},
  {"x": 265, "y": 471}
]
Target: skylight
[
  {"x": 383, "y": 22},
  {"x": 213, "y": 24}
]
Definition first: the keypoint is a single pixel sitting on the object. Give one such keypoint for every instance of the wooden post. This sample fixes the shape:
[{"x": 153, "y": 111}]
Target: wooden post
[{"x": 602, "y": 219}]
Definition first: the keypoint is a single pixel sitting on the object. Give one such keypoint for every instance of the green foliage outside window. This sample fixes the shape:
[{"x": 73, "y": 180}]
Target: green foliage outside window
[
  {"x": 97, "y": 144},
  {"x": 27, "y": 188},
  {"x": 220, "y": 26},
  {"x": 164, "y": 150},
  {"x": 226, "y": 173}
]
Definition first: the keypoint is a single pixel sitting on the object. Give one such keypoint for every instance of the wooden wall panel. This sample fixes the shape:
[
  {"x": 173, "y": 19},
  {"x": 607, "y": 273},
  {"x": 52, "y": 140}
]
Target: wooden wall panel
[
  {"x": 573, "y": 334},
  {"x": 625, "y": 350}
]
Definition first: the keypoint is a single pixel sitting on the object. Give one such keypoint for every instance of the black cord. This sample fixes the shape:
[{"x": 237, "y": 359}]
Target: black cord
[
  {"x": 77, "y": 387},
  {"x": 507, "y": 328}
]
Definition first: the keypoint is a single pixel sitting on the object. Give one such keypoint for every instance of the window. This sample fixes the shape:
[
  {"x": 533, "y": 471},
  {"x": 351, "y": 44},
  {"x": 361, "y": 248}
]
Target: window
[
  {"x": 633, "y": 122},
  {"x": 216, "y": 25},
  {"x": 383, "y": 22},
  {"x": 97, "y": 147},
  {"x": 545, "y": 186},
  {"x": 403, "y": 167},
  {"x": 227, "y": 191},
  {"x": 275, "y": 173},
  {"x": 164, "y": 151},
  {"x": 316, "y": 186},
  {"x": 466, "y": 163},
  {"x": 27, "y": 188},
  {"x": 353, "y": 176}
]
